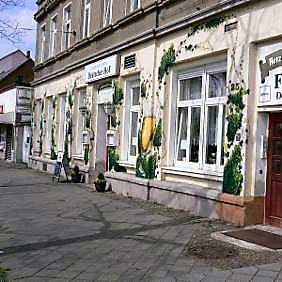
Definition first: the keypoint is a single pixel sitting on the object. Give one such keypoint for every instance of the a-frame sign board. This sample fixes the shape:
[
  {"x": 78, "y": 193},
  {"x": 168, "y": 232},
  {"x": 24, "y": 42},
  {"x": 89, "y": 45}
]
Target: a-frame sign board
[{"x": 61, "y": 162}]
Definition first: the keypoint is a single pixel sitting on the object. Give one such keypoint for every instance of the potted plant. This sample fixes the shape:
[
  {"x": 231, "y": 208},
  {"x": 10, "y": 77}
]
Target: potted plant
[
  {"x": 76, "y": 175},
  {"x": 100, "y": 183}
]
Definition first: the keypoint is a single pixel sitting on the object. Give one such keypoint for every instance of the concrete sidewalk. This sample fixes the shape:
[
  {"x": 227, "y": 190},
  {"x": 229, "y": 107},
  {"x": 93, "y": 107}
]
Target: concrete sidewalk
[{"x": 66, "y": 232}]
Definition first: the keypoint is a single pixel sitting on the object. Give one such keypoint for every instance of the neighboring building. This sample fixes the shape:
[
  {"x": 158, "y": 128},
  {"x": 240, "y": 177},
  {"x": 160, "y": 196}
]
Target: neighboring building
[
  {"x": 16, "y": 73},
  {"x": 183, "y": 95}
]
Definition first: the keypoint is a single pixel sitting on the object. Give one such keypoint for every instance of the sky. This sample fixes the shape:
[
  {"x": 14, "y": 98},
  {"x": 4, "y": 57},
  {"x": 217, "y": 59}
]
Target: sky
[{"x": 24, "y": 17}]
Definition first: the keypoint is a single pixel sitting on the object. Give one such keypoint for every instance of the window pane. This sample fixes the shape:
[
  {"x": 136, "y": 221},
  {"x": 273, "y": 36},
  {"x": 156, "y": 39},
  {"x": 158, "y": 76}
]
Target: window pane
[
  {"x": 217, "y": 84},
  {"x": 212, "y": 123},
  {"x": 133, "y": 134},
  {"x": 190, "y": 89},
  {"x": 182, "y": 134},
  {"x": 135, "y": 96},
  {"x": 194, "y": 135}
]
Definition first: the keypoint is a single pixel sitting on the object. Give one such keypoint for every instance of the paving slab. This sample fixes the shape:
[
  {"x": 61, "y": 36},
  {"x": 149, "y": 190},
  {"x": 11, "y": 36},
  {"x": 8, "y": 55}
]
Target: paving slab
[{"x": 66, "y": 232}]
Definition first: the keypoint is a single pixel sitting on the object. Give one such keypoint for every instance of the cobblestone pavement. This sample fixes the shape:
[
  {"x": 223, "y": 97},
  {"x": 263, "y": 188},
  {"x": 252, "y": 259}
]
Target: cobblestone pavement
[{"x": 66, "y": 232}]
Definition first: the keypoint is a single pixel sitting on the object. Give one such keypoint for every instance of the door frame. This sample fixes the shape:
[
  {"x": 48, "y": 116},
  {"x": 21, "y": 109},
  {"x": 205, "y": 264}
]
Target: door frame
[{"x": 268, "y": 218}]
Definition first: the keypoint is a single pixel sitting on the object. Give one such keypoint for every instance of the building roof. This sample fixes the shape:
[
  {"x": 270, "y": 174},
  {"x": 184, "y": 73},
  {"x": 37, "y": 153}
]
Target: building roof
[{"x": 11, "y": 62}]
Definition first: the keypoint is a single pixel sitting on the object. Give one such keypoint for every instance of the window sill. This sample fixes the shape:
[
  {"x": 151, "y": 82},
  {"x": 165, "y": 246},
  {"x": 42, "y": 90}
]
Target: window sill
[
  {"x": 78, "y": 157},
  {"x": 126, "y": 163},
  {"x": 184, "y": 171}
]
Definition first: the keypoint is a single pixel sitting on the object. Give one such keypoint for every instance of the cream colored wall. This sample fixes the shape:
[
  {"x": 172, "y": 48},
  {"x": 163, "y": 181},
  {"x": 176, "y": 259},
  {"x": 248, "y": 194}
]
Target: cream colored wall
[
  {"x": 256, "y": 23},
  {"x": 144, "y": 69},
  {"x": 57, "y": 87}
]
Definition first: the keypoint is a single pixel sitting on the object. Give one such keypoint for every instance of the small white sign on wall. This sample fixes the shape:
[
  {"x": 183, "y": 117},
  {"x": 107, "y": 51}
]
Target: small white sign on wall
[
  {"x": 270, "y": 75},
  {"x": 102, "y": 69}
]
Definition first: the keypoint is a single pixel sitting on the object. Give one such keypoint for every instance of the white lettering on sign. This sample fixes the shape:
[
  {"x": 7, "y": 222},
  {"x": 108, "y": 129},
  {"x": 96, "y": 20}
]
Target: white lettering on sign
[
  {"x": 270, "y": 75},
  {"x": 102, "y": 69},
  {"x": 275, "y": 60}
]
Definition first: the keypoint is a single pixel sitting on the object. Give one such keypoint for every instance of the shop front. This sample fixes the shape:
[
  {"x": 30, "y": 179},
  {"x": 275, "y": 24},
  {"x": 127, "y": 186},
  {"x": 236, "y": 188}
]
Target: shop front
[{"x": 270, "y": 124}]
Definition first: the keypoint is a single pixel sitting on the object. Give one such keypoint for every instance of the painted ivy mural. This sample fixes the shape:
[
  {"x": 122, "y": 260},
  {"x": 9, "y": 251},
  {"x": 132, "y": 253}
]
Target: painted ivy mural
[
  {"x": 233, "y": 176},
  {"x": 53, "y": 130},
  {"x": 115, "y": 122},
  {"x": 68, "y": 121},
  {"x": 151, "y": 129},
  {"x": 148, "y": 150}
]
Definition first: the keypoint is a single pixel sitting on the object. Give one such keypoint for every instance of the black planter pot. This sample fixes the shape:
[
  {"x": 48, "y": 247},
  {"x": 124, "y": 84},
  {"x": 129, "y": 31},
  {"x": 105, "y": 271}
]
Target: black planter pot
[
  {"x": 76, "y": 178},
  {"x": 100, "y": 187}
]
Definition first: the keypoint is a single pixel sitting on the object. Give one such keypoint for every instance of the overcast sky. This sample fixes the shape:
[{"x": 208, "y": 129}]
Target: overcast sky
[{"x": 24, "y": 17}]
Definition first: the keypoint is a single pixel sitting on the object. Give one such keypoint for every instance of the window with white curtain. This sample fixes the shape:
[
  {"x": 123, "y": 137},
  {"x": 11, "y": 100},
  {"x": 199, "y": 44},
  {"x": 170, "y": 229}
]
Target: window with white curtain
[
  {"x": 86, "y": 18},
  {"x": 66, "y": 38},
  {"x": 53, "y": 36},
  {"x": 200, "y": 125},
  {"x": 42, "y": 43},
  {"x": 107, "y": 17},
  {"x": 132, "y": 114}
]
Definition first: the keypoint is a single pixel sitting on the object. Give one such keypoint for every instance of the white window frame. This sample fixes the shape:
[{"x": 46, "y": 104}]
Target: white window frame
[
  {"x": 129, "y": 109},
  {"x": 42, "y": 43},
  {"x": 81, "y": 124},
  {"x": 86, "y": 25},
  {"x": 53, "y": 36},
  {"x": 108, "y": 12},
  {"x": 66, "y": 37},
  {"x": 201, "y": 166}
]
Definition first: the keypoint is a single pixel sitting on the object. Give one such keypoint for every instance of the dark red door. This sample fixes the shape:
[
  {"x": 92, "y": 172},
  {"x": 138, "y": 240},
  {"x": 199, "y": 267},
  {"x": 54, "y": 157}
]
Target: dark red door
[{"x": 273, "y": 209}]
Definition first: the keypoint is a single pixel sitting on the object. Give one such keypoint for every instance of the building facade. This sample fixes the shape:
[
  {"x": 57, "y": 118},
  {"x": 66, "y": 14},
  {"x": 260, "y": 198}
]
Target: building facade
[
  {"x": 15, "y": 106},
  {"x": 178, "y": 100}
]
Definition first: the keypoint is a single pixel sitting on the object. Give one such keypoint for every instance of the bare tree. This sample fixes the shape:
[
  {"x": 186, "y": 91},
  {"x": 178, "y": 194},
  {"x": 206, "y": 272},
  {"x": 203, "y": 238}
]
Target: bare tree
[{"x": 9, "y": 29}]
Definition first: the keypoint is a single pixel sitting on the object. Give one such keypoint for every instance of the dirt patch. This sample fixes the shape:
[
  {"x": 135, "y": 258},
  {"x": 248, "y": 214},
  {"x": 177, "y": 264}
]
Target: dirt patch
[{"x": 224, "y": 255}]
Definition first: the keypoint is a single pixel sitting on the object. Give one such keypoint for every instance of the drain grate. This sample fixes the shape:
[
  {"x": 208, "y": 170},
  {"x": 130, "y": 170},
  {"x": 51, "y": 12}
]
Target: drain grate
[{"x": 258, "y": 237}]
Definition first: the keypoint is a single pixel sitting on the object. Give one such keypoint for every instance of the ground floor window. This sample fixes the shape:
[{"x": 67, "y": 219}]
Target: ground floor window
[
  {"x": 131, "y": 120},
  {"x": 200, "y": 118},
  {"x": 81, "y": 125}
]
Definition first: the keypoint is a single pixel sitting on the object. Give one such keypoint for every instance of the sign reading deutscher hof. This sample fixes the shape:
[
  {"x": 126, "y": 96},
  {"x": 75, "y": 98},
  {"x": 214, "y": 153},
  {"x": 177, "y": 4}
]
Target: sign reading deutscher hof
[
  {"x": 270, "y": 78},
  {"x": 101, "y": 69}
]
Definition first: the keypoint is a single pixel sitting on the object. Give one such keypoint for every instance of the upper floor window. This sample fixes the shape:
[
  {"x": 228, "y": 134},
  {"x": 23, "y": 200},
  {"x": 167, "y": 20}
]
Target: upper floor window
[
  {"x": 42, "y": 43},
  {"x": 107, "y": 17},
  {"x": 134, "y": 5},
  {"x": 200, "y": 115},
  {"x": 53, "y": 36},
  {"x": 86, "y": 18},
  {"x": 66, "y": 38}
]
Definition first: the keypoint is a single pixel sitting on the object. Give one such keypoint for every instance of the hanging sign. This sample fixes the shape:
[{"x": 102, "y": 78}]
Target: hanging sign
[
  {"x": 270, "y": 77},
  {"x": 101, "y": 69}
]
